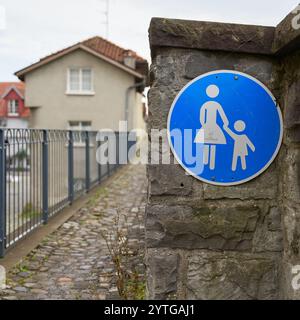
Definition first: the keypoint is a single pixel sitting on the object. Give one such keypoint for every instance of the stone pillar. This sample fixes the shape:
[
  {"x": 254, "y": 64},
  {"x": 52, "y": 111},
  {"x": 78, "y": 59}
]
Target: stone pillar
[
  {"x": 210, "y": 242},
  {"x": 287, "y": 45}
]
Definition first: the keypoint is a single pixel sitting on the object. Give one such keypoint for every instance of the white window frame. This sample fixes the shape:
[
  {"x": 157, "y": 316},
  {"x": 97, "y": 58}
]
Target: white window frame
[
  {"x": 80, "y": 128},
  {"x": 9, "y": 108},
  {"x": 80, "y": 91}
]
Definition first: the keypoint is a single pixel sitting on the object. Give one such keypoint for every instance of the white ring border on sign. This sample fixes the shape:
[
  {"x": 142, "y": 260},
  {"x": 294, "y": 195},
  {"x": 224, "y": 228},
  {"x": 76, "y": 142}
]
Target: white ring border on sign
[{"x": 275, "y": 152}]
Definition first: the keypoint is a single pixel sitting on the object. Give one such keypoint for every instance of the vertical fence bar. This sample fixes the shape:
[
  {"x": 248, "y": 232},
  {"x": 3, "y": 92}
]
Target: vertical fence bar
[
  {"x": 108, "y": 167},
  {"x": 87, "y": 162},
  {"x": 71, "y": 167},
  {"x": 2, "y": 193},
  {"x": 108, "y": 157},
  {"x": 118, "y": 149},
  {"x": 99, "y": 164},
  {"x": 45, "y": 177}
]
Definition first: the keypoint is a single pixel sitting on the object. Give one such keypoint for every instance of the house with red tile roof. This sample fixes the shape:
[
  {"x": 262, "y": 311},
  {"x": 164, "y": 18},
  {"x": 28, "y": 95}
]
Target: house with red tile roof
[
  {"x": 13, "y": 112},
  {"x": 93, "y": 84}
]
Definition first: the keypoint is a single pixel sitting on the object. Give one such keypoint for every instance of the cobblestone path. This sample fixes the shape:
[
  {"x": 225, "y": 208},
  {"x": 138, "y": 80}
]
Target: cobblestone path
[{"x": 74, "y": 262}]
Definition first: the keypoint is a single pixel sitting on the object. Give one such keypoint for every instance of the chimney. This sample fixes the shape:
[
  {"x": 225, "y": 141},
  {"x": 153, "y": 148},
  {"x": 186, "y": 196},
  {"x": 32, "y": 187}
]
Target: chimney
[{"x": 130, "y": 59}]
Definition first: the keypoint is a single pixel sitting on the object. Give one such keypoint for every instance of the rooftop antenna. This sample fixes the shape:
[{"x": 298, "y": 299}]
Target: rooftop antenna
[
  {"x": 106, "y": 22},
  {"x": 105, "y": 8}
]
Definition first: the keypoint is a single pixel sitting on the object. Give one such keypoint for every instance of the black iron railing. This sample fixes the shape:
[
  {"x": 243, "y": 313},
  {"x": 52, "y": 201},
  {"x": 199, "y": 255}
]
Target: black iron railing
[{"x": 42, "y": 172}]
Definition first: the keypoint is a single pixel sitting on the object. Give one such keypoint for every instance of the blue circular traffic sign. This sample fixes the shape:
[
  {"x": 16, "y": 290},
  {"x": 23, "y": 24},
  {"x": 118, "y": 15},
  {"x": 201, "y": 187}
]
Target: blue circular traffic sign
[{"x": 225, "y": 127}]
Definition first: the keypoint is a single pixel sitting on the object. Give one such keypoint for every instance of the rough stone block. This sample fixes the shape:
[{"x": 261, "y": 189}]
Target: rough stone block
[
  {"x": 291, "y": 179},
  {"x": 231, "y": 276},
  {"x": 169, "y": 180},
  {"x": 162, "y": 273},
  {"x": 274, "y": 219},
  {"x": 286, "y": 37},
  {"x": 292, "y": 111},
  {"x": 210, "y": 36},
  {"x": 268, "y": 236},
  {"x": 290, "y": 279},
  {"x": 292, "y": 231},
  {"x": 159, "y": 106},
  {"x": 200, "y": 62},
  {"x": 220, "y": 226},
  {"x": 169, "y": 68}
]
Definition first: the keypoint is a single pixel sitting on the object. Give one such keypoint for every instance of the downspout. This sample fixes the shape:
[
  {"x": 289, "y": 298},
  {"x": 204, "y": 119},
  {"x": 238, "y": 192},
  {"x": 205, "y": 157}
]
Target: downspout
[{"x": 128, "y": 91}]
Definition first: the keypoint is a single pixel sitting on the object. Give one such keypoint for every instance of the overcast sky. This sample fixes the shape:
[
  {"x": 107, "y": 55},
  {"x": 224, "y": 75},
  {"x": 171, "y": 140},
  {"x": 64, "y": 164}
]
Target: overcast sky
[{"x": 35, "y": 28}]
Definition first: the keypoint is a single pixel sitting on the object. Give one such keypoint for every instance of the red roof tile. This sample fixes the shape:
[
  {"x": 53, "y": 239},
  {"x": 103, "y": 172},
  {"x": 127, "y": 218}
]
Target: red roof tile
[
  {"x": 2, "y": 108},
  {"x": 4, "y": 86},
  {"x": 110, "y": 50}
]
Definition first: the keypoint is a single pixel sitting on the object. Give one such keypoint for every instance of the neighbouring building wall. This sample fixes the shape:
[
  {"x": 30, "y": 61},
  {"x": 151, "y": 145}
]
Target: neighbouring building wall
[
  {"x": 138, "y": 113},
  {"x": 210, "y": 242},
  {"x": 52, "y": 108},
  {"x": 16, "y": 123}
]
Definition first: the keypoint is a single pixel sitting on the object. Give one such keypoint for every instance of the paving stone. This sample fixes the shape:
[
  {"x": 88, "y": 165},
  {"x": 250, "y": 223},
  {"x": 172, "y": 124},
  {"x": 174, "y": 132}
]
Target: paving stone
[
  {"x": 20, "y": 289},
  {"x": 102, "y": 296},
  {"x": 64, "y": 280},
  {"x": 85, "y": 267},
  {"x": 30, "y": 285},
  {"x": 10, "y": 298},
  {"x": 39, "y": 291},
  {"x": 7, "y": 291},
  {"x": 24, "y": 274}
]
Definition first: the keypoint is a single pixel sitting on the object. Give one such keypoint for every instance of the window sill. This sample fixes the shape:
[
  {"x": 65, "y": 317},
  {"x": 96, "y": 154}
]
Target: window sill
[
  {"x": 80, "y": 93},
  {"x": 13, "y": 115},
  {"x": 80, "y": 145}
]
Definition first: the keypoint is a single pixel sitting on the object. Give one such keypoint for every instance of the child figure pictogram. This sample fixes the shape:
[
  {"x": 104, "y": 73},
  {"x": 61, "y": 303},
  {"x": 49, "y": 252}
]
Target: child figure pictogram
[{"x": 241, "y": 144}]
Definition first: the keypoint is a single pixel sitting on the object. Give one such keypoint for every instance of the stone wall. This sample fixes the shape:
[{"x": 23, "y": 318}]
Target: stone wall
[{"x": 210, "y": 242}]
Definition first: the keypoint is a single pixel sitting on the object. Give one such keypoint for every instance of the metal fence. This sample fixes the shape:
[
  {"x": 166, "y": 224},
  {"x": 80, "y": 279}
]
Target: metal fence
[{"x": 42, "y": 172}]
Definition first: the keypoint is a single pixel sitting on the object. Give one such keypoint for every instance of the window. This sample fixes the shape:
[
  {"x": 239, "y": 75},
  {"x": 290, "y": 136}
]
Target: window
[
  {"x": 74, "y": 81},
  {"x": 86, "y": 79},
  {"x": 80, "y": 81},
  {"x": 80, "y": 126},
  {"x": 13, "y": 107}
]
